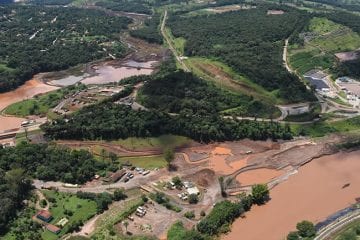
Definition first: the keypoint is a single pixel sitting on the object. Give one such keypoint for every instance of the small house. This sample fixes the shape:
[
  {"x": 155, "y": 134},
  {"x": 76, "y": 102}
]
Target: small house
[
  {"x": 44, "y": 215},
  {"x": 53, "y": 228}
]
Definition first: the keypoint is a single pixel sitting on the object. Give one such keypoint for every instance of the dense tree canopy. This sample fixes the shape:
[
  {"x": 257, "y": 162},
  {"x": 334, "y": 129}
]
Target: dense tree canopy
[
  {"x": 150, "y": 31},
  {"x": 179, "y": 91},
  {"x": 14, "y": 188},
  {"x": 113, "y": 121},
  {"x": 51, "y": 163},
  {"x": 250, "y": 41},
  {"x": 37, "y": 39},
  {"x": 222, "y": 213}
]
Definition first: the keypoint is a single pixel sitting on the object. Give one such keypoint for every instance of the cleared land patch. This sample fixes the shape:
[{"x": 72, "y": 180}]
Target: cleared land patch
[
  {"x": 225, "y": 77},
  {"x": 324, "y": 39}
]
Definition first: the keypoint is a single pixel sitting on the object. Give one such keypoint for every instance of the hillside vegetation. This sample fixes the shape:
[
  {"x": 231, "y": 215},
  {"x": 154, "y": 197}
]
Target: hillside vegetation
[
  {"x": 180, "y": 91},
  {"x": 35, "y": 39},
  {"x": 324, "y": 38},
  {"x": 250, "y": 42},
  {"x": 113, "y": 121}
]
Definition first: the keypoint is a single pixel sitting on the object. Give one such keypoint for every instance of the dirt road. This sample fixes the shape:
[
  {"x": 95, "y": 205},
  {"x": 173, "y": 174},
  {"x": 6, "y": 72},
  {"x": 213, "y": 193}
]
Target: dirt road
[
  {"x": 171, "y": 47},
  {"x": 286, "y": 64}
]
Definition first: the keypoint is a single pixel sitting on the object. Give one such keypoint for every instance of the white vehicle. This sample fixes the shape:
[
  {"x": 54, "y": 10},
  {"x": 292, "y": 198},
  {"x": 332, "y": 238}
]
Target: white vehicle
[{"x": 25, "y": 123}]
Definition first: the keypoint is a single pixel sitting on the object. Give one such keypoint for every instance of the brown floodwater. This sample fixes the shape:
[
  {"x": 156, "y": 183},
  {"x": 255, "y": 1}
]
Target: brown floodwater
[
  {"x": 314, "y": 193},
  {"x": 218, "y": 163},
  {"x": 28, "y": 90},
  {"x": 261, "y": 175}
]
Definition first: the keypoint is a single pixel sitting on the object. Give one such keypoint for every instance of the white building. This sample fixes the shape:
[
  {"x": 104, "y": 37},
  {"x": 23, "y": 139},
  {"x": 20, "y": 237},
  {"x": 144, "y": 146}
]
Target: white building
[{"x": 193, "y": 190}]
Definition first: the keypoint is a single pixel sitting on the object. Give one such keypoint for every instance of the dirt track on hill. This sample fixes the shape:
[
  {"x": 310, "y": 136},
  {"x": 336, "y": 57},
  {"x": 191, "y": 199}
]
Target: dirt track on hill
[{"x": 110, "y": 147}]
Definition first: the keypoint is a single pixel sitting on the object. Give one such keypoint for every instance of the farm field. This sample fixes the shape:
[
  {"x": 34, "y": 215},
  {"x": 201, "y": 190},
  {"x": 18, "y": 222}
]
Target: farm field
[{"x": 325, "y": 39}]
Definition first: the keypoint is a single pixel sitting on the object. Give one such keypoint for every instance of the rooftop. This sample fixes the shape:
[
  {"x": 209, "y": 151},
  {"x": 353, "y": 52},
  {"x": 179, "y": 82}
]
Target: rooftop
[
  {"x": 193, "y": 190},
  {"x": 44, "y": 214},
  {"x": 53, "y": 228}
]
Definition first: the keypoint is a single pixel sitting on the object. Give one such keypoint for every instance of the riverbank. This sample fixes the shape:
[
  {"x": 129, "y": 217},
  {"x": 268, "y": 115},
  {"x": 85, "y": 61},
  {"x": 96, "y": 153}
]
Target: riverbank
[
  {"x": 314, "y": 193},
  {"x": 28, "y": 90}
]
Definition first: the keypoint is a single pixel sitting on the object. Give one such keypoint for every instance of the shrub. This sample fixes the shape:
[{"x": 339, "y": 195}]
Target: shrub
[
  {"x": 223, "y": 213},
  {"x": 306, "y": 229},
  {"x": 43, "y": 203},
  {"x": 193, "y": 199},
  {"x": 293, "y": 236},
  {"x": 119, "y": 195},
  {"x": 260, "y": 193},
  {"x": 189, "y": 215}
]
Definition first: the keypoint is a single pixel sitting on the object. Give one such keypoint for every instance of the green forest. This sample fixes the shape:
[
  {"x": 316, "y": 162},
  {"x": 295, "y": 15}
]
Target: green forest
[
  {"x": 51, "y": 163},
  {"x": 180, "y": 91},
  {"x": 14, "y": 188},
  {"x": 251, "y": 42},
  {"x": 35, "y": 39},
  {"x": 114, "y": 121},
  {"x": 150, "y": 31}
]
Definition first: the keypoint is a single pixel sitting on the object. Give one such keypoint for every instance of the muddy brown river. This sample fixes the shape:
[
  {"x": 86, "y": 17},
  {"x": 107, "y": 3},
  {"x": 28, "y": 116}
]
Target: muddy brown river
[
  {"x": 314, "y": 193},
  {"x": 26, "y": 91}
]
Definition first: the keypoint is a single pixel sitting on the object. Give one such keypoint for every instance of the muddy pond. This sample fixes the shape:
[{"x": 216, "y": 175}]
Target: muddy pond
[{"x": 107, "y": 73}]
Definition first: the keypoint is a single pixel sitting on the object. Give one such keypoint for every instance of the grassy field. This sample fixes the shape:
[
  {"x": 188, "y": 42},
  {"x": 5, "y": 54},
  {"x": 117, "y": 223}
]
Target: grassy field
[
  {"x": 82, "y": 210},
  {"x": 178, "y": 43},
  {"x": 322, "y": 25},
  {"x": 36, "y": 106},
  {"x": 149, "y": 162},
  {"x": 321, "y": 128},
  {"x": 163, "y": 142}
]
